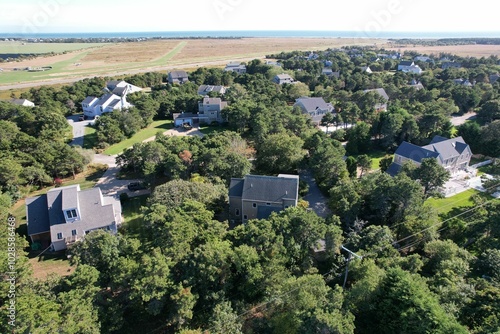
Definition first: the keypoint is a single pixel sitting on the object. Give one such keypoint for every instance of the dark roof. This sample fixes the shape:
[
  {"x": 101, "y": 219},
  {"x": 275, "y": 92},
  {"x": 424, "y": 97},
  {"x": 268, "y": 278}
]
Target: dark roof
[
  {"x": 236, "y": 187},
  {"x": 178, "y": 74},
  {"x": 264, "y": 211},
  {"x": 393, "y": 169},
  {"x": 405, "y": 63},
  {"x": 89, "y": 99},
  {"x": 54, "y": 205},
  {"x": 379, "y": 91},
  {"x": 310, "y": 104},
  {"x": 414, "y": 152},
  {"x": 37, "y": 215},
  {"x": 270, "y": 188},
  {"x": 494, "y": 78},
  {"x": 112, "y": 84},
  {"x": 120, "y": 90}
]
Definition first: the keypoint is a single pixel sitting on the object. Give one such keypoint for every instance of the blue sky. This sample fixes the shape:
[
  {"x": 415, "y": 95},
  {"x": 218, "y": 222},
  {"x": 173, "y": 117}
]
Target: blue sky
[{"x": 21, "y": 16}]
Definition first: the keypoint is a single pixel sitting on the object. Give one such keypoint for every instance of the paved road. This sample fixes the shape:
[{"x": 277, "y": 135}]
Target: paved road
[
  {"x": 317, "y": 201},
  {"x": 459, "y": 120}
]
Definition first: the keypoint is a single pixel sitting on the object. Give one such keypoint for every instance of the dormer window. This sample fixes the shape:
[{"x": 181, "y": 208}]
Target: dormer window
[{"x": 71, "y": 214}]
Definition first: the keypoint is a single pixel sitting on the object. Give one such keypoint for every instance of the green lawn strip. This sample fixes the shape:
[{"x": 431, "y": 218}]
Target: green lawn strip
[
  {"x": 209, "y": 129},
  {"x": 43, "y": 48},
  {"x": 445, "y": 205},
  {"x": 132, "y": 217},
  {"x": 162, "y": 60},
  {"x": 140, "y": 136},
  {"x": 90, "y": 138},
  {"x": 376, "y": 156}
]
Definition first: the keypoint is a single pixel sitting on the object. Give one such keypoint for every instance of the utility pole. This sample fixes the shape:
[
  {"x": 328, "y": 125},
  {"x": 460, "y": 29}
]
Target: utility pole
[{"x": 351, "y": 254}]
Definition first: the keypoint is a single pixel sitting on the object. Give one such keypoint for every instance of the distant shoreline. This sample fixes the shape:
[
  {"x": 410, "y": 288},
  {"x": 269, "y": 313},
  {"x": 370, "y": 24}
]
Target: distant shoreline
[{"x": 249, "y": 34}]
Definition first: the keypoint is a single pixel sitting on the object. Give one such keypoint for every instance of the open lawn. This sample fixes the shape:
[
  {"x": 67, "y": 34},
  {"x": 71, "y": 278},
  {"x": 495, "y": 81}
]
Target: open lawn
[
  {"x": 445, "y": 205},
  {"x": 41, "y": 48},
  {"x": 376, "y": 156},
  {"x": 90, "y": 138},
  {"x": 131, "y": 212},
  {"x": 50, "y": 263},
  {"x": 150, "y": 131}
]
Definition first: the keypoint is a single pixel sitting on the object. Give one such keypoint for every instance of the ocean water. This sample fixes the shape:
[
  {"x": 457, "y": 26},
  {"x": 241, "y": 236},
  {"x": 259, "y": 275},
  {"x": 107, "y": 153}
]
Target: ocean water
[{"x": 255, "y": 33}]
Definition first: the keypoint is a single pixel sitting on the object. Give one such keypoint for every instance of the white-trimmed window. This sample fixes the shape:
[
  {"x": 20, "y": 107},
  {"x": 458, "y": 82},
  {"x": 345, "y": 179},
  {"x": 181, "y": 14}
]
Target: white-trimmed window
[
  {"x": 59, "y": 235},
  {"x": 73, "y": 232},
  {"x": 71, "y": 213}
]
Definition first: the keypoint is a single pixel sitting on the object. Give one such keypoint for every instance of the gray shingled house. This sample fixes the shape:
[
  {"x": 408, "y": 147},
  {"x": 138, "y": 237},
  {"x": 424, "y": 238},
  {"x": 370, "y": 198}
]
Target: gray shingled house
[
  {"x": 283, "y": 78},
  {"x": 453, "y": 154},
  {"x": 315, "y": 107},
  {"x": 257, "y": 196},
  {"x": 64, "y": 215},
  {"x": 383, "y": 94},
  {"x": 178, "y": 77}
]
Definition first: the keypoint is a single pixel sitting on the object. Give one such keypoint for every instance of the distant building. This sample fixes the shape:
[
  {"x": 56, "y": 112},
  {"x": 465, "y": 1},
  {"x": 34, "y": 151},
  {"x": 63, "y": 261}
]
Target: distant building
[
  {"x": 65, "y": 215},
  {"x": 315, "y": 107},
  {"x": 453, "y": 154},
  {"x": 494, "y": 78},
  {"x": 424, "y": 59},
  {"x": 283, "y": 79},
  {"x": 256, "y": 196},
  {"x": 330, "y": 73},
  {"x": 463, "y": 82},
  {"x": 409, "y": 67},
  {"x": 22, "y": 102},
  {"x": 178, "y": 77},
  {"x": 450, "y": 64},
  {"x": 366, "y": 69},
  {"x": 236, "y": 67},
  {"x": 416, "y": 84}
]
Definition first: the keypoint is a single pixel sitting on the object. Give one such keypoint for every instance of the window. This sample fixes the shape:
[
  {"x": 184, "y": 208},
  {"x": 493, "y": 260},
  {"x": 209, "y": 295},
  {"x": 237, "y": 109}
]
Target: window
[
  {"x": 59, "y": 235},
  {"x": 254, "y": 205},
  {"x": 286, "y": 206},
  {"x": 245, "y": 217},
  {"x": 268, "y": 204},
  {"x": 71, "y": 214},
  {"x": 237, "y": 212},
  {"x": 73, "y": 232}
]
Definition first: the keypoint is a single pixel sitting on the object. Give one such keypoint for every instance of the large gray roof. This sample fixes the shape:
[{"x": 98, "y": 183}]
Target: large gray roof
[
  {"x": 205, "y": 89},
  {"x": 37, "y": 215},
  {"x": 179, "y": 74},
  {"x": 414, "y": 152},
  {"x": 379, "y": 91},
  {"x": 447, "y": 148},
  {"x": 89, "y": 99},
  {"x": 405, "y": 63},
  {"x": 270, "y": 188},
  {"x": 310, "y": 104}
]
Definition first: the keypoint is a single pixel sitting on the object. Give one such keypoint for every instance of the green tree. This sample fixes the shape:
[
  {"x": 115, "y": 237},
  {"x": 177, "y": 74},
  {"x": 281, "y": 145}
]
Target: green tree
[
  {"x": 431, "y": 175},
  {"x": 280, "y": 153}
]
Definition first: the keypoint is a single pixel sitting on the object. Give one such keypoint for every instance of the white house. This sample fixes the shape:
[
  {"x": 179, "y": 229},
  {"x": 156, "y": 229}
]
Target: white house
[
  {"x": 93, "y": 106},
  {"x": 205, "y": 89},
  {"x": 409, "y": 67},
  {"x": 121, "y": 88}
]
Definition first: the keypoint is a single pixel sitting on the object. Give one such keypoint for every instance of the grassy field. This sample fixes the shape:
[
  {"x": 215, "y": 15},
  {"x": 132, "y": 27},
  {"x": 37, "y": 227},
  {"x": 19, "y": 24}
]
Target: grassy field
[
  {"x": 40, "y": 48},
  {"x": 139, "y": 137},
  {"x": 131, "y": 212},
  {"x": 445, "y": 205},
  {"x": 90, "y": 138},
  {"x": 376, "y": 156},
  {"x": 48, "y": 264}
]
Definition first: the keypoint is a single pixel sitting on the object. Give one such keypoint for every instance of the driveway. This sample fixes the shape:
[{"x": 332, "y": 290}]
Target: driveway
[
  {"x": 317, "y": 201},
  {"x": 109, "y": 183},
  {"x": 459, "y": 120},
  {"x": 78, "y": 129}
]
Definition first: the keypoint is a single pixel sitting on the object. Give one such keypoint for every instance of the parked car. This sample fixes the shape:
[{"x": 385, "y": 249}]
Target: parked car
[
  {"x": 133, "y": 186},
  {"x": 81, "y": 118}
]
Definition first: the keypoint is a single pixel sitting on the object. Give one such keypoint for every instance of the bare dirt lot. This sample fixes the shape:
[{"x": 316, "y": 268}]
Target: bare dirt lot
[{"x": 459, "y": 50}]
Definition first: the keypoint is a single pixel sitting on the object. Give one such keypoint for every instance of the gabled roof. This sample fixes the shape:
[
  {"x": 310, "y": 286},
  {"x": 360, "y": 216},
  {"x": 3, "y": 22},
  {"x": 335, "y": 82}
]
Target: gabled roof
[
  {"x": 414, "y": 152},
  {"x": 265, "y": 188},
  {"x": 179, "y": 74},
  {"x": 37, "y": 215},
  {"x": 283, "y": 76},
  {"x": 379, "y": 91},
  {"x": 22, "y": 102},
  {"x": 89, "y": 100},
  {"x": 205, "y": 89},
  {"x": 393, "y": 169},
  {"x": 406, "y": 63},
  {"x": 310, "y": 104},
  {"x": 494, "y": 78},
  {"x": 447, "y": 148}
]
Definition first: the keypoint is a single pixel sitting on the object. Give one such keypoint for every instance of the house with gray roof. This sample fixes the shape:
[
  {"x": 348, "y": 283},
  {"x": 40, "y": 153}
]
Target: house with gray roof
[
  {"x": 330, "y": 73},
  {"x": 450, "y": 64},
  {"x": 494, "y": 78},
  {"x": 366, "y": 69},
  {"x": 453, "y": 154},
  {"x": 283, "y": 78},
  {"x": 257, "y": 196},
  {"x": 65, "y": 215},
  {"x": 383, "y": 94},
  {"x": 236, "y": 67},
  {"x": 408, "y": 66},
  {"x": 315, "y": 107},
  {"x": 210, "y": 108},
  {"x": 206, "y": 89},
  {"x": 178, "y": 77},
  {"x": 121, "y": 88},
  {"x": 416, "y": 84},
  {"x": 22, "y": 102}
]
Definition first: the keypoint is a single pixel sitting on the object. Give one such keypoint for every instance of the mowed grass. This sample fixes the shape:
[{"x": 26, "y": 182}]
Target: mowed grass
[
  {"x": 375, "y": 156},
  {"x": 40, "y": 48},
  {"x": 90, "y": 138},
  {"x": 132, "y": 217},
  {"x": 49, "y": 264},
  {"x": 150, "y": 131},
  {"x": 445, "y": 205}
]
